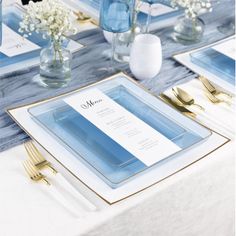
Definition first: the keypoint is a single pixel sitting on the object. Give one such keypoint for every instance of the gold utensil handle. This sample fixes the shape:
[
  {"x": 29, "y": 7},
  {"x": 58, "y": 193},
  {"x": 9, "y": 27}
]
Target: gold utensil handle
[
  {"x": 62, "y": 200},
  {"x": 213, "y": 90},
  {"x": 216, "y": 100},
  {"x": 178, "y": 107},
  {"x": 207, "y": 84},
  {"x": 199, "y": 106},
  {"x": 70, "y": 188}
]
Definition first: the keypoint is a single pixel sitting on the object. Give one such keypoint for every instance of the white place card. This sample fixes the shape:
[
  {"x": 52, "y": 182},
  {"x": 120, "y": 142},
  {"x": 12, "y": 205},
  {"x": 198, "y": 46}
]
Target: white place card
[
  {"x": 14, "y": 44},
  {"x": 137, "y": 137},
  {"x": 227, "y": 48}
]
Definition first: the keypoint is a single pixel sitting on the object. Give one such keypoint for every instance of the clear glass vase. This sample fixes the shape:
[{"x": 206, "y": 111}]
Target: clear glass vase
[
  {"x": 188, "y": 30},
  {"x": 123, "y": 44},
  {"x": 55, "y": 65},
  {"x": 125, "y": 40}
]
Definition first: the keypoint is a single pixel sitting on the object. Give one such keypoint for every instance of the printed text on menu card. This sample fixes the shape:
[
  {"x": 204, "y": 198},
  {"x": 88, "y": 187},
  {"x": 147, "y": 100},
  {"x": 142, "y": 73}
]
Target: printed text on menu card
[
  {"x": 14, "y": 44},
  {"x": 137, "y": 137}
]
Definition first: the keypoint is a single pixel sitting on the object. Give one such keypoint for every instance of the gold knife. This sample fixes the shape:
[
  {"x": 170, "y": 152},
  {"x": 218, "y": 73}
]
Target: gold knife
[{"x": 178, "y": 107}]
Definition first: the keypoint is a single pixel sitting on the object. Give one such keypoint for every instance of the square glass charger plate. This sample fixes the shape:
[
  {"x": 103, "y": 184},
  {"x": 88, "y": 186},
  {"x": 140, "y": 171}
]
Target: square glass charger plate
[
  {"x": 212, "y": 64},
  {"x": 101, "y": 154},
  {"x": 11, "y": 16}
]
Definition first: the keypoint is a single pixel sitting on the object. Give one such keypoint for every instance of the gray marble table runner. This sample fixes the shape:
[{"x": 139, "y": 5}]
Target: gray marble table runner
[{"x": 18, "y": 88}]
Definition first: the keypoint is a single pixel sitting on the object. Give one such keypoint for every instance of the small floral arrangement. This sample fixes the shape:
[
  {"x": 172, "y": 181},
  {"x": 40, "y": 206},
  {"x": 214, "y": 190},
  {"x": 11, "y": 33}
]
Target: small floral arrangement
[
  {"x": 49, "y": 17},
  {"x": 193, "y": 7}
]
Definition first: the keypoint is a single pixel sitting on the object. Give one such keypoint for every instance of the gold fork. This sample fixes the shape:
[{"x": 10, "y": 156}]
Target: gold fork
[
  {"x": 36, "y": 157},
  {"x": 36, "y": 176},
  {"x": 185, "y": 98},
  {"x": 33, "y": 173},
  {"x": 40, "y": 162}
]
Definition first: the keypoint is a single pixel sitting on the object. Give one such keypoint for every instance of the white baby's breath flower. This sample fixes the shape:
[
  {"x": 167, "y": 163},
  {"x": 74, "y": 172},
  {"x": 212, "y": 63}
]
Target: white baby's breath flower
[
  {"x": 50, "y": 17},
  {"x": 192, "y": 7}
]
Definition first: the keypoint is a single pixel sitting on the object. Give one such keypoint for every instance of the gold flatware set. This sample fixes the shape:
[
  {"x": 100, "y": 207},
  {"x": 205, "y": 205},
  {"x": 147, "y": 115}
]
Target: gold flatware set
[
  {"x": 83, "y": 18},
  {"x": 185, "y": 100},
  {"x": 177, "y": 105},
  {"x": 185, "y": 103}
]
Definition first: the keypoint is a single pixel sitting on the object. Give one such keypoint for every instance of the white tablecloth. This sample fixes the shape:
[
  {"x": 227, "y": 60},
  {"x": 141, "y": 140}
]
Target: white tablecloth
[{"x": 196, "y": 201}]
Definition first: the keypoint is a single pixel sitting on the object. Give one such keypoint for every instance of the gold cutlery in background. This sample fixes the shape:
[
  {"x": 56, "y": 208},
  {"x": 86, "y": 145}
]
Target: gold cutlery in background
[
  {"x": 185, "y": 98},
  {"x": 213, "y": 94},
  {"x": 209, "y": 86},
  {"x": 40, "y": 162},
  {"x": 177, "y": 106},
  {"x": 83, "y": 18},
  {"x": 36, "y": 176},
  {"x": 188, "y": 100}
]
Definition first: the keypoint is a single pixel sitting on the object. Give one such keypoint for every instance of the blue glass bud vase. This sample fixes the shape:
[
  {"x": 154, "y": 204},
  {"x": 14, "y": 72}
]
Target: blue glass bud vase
[
  {"x": 55, "y": 65},
  {"x": 116, "y": 17}
]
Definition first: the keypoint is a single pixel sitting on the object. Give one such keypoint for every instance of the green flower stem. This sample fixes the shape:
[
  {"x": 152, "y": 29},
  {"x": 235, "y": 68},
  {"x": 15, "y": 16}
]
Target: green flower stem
[{"x": 57, "y": 49}]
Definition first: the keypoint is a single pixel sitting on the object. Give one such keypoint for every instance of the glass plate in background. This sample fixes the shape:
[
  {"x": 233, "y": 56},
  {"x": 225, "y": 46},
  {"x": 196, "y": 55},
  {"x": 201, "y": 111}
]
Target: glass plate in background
[{"x": 217, "y": 63}]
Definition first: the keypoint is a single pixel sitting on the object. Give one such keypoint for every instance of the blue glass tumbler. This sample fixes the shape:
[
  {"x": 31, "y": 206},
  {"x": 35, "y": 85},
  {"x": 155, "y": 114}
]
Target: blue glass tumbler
[{"x": 116, "y": 17}]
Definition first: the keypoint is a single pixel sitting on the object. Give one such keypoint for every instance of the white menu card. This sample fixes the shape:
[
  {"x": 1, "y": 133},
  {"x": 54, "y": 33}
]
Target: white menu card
[
  {"x": 14, "y": 44},
  {"x": 133, "y": 134}
]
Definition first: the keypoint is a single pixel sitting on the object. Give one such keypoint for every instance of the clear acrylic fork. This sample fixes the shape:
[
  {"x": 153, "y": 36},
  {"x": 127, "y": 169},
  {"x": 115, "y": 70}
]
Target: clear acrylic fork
[
  {"x": 40, "y": 162},
  {"x": 37, "y": 176}
]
